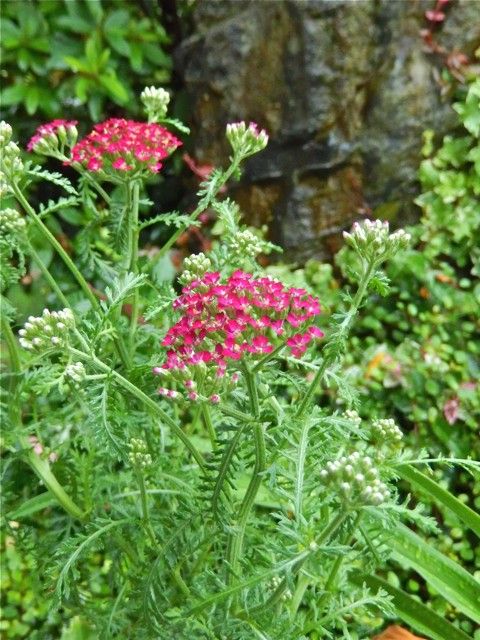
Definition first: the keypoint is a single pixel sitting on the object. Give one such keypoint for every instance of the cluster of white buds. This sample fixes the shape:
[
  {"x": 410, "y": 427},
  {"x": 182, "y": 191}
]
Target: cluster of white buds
[
  {"x": 195, "y": 267},
  {"x": 75, "y": 372},
  {"x": 386, "y": 430},
  {"x": 246, "y": 243},
  {"x": 49, "y": 330},
  {"x": 352, "y": 416},
  {"x": 11, "y": 222},
  {"x": 246, "y": 141},
  {"x": 5, "y": 133},
  {"x": 138, "y": 454},
  {"x": 156, "y": 102},
  {"x": 12, "y": 165},
  {"x": 357, "y": 479},
  {"x": 372, "y": 239}
]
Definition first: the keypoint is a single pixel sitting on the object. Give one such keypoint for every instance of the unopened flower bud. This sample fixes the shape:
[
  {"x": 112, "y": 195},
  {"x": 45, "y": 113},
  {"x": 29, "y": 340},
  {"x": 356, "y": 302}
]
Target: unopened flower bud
[
  {"x": 156, "y": 102},
  {"x": 138, "y": 454},
  {"x": 51, "y": 329},
  {"x": 246, "y": 243},
  {"x": 195, "y": 267},
  {"x": 11, "y": 222},
  {"x": 215, "y": 398},
  {"x": 76, "y": 372},
  {"x": 373, "y": 241},
  {"x": 246, "y": 141},
  {"x": 386, "y": 431},
  {"x": 5, "y": 133},
  {"x": 358, "y": 482}
]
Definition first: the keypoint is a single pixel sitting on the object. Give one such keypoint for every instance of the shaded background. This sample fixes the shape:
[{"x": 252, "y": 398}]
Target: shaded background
[{"x": 345, "y": 90}]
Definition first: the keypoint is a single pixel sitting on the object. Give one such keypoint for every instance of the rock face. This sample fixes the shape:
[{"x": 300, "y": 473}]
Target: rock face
[{"x": 345, "y": 90}]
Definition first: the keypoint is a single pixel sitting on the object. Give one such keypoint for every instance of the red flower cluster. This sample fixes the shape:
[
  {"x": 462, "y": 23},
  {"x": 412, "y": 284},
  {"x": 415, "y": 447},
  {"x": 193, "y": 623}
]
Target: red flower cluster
[
  {"x": 125, "y": 145},
  {"x": 243, "y": 317},
  {"x": 50, "y": 128}
]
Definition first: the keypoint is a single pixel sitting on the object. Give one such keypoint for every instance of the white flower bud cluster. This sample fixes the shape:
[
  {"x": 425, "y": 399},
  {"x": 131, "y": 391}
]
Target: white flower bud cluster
[
  {"x": 246, "y": 243},
  {"x": 5, "y": 133},
  {"x": 138, "y": 454},
  {"x": 387, "y": 430},
  {"x": 195, "y": 267},
  {"x": 372, "y": 239},
  {"x": 49, "y": 330},
  {"x": 12, "y": 164},
  {"x": 352, "y": 416},
  {"x": 11, "y": 222},
  {"x": 156, "y": 102},
  {"x": 246, "y": 141},
  {"x": 357, "y": 479},
  {"x": 75, "y": 372}
]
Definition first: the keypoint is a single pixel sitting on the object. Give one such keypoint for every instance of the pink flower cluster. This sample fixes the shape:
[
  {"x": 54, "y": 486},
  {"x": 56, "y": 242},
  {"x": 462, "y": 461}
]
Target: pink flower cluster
[
  {"x": 244, "y": 317},
  {"x": 125, "y": 145},
  {"x": 49, "y": 128}
]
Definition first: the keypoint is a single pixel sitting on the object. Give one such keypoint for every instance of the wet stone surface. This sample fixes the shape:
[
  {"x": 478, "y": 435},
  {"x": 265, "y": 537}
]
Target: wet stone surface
[{"x": 345, "y": 91}]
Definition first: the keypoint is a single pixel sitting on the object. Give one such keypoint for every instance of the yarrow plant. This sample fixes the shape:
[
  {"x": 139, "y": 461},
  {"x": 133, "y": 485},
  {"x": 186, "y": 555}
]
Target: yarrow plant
[{"x": 228, "y": 502}]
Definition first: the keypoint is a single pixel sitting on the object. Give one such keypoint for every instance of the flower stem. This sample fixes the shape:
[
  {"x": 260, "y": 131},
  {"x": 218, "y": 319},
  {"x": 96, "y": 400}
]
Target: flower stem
[
  {"x": 133, "y": 232},
  {"x": 236, "y": 542},
  {"x": 48, "y": 235},
  {"x": 144, "y": 503},
  {"x": 267, "y": 358},
  {"x": 40, "y": 467},
  {"x": 48, "y": 276},
  {"x": 146, "y": 400},
  {"x": 343, "y": 330},
  {"x": 207, "y": 416},
  {"x": 204, "y": 204}
]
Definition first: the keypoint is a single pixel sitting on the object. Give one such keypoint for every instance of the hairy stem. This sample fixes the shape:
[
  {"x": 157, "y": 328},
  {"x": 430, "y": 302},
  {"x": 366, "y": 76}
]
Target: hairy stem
[
  {"x": 144, "y": 399},
  {"x": 40, "y": 466}
]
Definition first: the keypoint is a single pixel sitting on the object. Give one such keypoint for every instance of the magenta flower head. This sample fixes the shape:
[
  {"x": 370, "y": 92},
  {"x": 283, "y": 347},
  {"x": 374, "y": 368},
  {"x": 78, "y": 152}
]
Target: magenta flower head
[
  {"x": 125, "y": 145},
  {"x": 222, "y": 323},
  {"x": 48, "y": 136}
]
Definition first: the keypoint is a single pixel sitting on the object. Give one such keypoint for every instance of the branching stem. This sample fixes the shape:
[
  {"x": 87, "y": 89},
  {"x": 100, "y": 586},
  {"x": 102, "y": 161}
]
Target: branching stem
[
  {"x": 146, "y": 400},
  {"x": 39, "y": 465}
]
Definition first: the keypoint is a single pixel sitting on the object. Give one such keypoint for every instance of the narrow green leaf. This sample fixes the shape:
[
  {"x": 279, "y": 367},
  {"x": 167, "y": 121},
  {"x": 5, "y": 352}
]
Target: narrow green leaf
[
  {"x": 29, "y": 507},
  {"x": 468, "y": 516},
  {"x": 446, "y": 576},
  {"x": 421, "y": 618}
]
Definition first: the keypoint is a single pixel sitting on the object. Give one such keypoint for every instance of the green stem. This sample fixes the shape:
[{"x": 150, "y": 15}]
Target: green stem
[
  {"x": 267, "y": 358},
  {"x": 144, "y": 503},
  {"x": 204, "y": 204},
  {"x": 236, "y": 542},
  {"x": 133, "y": 256},
  {"x": 146, "y": 400},
  {"x": 48, "y": 276},
  {"x": 207, "y": 416},
  {"x": 48, "y": 235},
  {"x": 39, "y": 466},
  {"x": 327, "y": 532},
  {"x": 339, "y": 560},
  {"x": 343, "y": 329}
]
